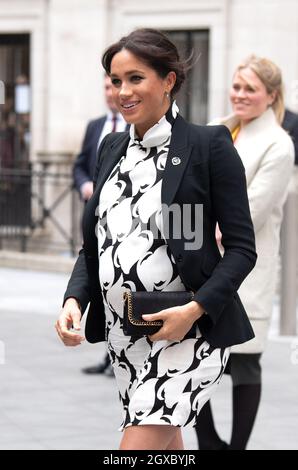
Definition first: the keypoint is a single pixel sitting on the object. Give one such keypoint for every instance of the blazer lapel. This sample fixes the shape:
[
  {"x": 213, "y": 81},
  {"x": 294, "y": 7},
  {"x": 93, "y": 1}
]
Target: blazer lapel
[
  {"x": 173, "y": 173},
  {"x": 111, "y": 157},
  {"x": 178, "y": 156}
]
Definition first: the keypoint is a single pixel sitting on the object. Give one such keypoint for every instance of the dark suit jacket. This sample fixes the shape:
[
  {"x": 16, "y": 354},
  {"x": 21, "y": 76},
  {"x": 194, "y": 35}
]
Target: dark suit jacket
[
  {"x": 290, "y": 124},
  {"x": 210, "y": 173},
  {"x": 84, "y": 166}
]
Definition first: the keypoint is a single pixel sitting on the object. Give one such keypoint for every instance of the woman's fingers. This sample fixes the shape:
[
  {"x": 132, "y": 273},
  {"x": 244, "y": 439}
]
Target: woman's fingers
[
  {"x": 154, "y": 317},
  {"x": 70, "y": 338},
  {"x": 164, "y": 315},
  {"x": 175, "y": 324},
  {"x": 67, "y": 320}
]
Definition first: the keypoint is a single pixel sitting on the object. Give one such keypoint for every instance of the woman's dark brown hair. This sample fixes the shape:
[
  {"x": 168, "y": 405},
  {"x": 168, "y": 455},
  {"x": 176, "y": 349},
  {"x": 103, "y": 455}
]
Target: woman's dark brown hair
[{"x": 154, "y": 49}]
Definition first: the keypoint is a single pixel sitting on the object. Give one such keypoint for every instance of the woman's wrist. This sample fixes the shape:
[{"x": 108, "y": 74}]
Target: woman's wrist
[
  {"x": 195, "y": 310},
  {"x": 73, "y": 301}
]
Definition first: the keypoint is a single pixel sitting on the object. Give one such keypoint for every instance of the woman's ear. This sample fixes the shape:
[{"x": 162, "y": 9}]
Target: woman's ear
[
  {"x": 272, "y": 97},
  {"x": 170, "y": 81}
]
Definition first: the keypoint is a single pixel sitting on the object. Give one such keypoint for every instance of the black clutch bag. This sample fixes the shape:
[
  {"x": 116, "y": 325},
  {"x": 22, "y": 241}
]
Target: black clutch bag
[{"x": 137, "y": 304}]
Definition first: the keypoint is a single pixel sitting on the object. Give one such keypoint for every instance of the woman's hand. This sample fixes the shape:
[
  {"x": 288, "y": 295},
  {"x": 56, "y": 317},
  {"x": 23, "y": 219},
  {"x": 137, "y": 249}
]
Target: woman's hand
[
  {"x": 70, "y": 318},
  {"x": 177, "y": 321}
]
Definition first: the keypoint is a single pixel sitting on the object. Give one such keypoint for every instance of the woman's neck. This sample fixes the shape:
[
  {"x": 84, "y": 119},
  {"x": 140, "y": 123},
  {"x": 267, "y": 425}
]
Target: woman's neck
[
  {"x": 243, "y": 123},
  {"x": 142, "y": 129}
]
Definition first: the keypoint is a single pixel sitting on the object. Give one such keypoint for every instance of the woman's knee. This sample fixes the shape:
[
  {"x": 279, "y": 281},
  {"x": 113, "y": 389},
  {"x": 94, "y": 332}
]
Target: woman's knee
[{"x": 148, "y": 437}]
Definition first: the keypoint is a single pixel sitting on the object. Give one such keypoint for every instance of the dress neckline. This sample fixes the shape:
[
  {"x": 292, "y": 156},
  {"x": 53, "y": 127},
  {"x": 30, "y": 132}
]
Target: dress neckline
[{"x": 159, "y": 133}]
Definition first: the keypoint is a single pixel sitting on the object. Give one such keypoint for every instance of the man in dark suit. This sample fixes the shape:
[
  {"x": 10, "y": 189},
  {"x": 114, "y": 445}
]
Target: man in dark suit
[
  {"x": 84, "y": 168},
  {"x": 96, "y": 130},
  {"x": 290, "y": 124}
]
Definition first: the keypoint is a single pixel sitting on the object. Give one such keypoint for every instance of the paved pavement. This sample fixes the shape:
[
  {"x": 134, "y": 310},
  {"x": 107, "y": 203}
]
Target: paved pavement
[{"x": 47, "y": 403}]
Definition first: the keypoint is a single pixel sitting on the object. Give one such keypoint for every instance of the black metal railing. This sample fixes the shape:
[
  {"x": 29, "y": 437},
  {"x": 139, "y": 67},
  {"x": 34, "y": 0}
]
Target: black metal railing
[{"x": 40, "y": 208}]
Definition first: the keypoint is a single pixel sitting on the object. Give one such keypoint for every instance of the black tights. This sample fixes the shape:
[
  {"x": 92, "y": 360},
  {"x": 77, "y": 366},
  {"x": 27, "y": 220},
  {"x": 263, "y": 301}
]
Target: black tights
[{"x": 246, "y": 399}]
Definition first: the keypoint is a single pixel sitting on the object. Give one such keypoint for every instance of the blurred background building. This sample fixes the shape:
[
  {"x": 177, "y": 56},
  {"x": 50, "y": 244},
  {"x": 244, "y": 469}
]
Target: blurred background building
[
  {"x": 50, "y": 66},
  {"x": 50, "y": 53}
]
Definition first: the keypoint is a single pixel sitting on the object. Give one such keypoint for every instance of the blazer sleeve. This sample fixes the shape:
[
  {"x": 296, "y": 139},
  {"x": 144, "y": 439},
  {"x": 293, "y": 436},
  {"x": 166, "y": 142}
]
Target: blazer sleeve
[
  {"x": 81, "y": 168},
  {"x": 231, "y": 211},
  {"x": 79, "y": 283},
  {"x": 270, "y": 183},
  {"x": 290, "y": 124},
  {"x": 99, "y": 159},
  {"x": 294, "y": 136}
]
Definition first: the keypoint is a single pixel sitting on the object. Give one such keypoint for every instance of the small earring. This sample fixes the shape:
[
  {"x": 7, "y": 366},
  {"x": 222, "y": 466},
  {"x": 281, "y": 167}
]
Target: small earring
[{"x": 167, "y": 94}]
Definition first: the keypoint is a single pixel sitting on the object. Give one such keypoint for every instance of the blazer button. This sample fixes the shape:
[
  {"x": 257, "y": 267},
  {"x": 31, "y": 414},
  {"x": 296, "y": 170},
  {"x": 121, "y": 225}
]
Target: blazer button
[{"x": 179, "y": 258}]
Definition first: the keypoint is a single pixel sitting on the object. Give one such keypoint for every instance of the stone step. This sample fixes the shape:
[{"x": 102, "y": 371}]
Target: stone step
[{"x": 36, "y": 262}]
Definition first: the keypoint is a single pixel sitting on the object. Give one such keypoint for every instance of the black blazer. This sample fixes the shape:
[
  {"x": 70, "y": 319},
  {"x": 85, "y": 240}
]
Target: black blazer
[
  {"x": 84, "y": 165},
  {"x": 210, "y": 173}
]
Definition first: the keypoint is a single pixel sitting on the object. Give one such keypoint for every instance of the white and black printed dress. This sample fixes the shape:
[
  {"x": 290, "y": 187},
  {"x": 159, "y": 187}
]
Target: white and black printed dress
[{"x": 163, "y": 382}]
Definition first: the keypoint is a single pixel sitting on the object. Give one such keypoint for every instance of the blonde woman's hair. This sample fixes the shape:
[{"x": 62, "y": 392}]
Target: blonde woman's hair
[{"x": 270, "y": 75}]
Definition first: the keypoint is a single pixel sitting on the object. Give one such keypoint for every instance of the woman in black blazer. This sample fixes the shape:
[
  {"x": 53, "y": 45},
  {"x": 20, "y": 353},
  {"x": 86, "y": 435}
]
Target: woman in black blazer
[{"x": 163, "y": 176}]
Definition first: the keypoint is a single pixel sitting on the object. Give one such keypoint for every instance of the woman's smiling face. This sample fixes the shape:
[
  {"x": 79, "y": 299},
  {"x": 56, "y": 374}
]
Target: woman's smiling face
[
  {"x": 140, "y": 94},
  {"x": 249, "y": 96}
]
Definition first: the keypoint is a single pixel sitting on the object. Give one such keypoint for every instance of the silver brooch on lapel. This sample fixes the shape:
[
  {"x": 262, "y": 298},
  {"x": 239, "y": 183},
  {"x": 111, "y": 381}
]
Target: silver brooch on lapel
[{"x": 176, "y": 161}]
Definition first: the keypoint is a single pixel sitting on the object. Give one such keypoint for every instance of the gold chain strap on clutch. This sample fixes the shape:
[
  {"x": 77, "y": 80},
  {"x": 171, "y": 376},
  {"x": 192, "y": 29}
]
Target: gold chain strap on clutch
[{"x": 127, "y": 297}]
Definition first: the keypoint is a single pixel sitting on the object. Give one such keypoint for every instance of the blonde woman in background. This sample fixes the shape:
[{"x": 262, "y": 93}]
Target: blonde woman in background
[{"x": 267, "y": 153}]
